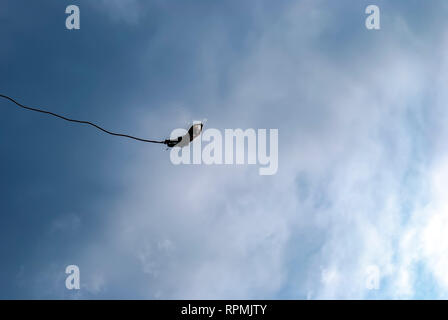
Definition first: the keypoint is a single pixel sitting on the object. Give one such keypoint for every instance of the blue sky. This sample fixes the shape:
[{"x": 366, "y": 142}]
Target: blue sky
[{"x": 362, "y": 154}]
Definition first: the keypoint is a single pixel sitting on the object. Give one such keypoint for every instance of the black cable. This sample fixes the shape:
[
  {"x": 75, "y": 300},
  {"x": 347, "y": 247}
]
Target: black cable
[{"x": 79, "y": 121}]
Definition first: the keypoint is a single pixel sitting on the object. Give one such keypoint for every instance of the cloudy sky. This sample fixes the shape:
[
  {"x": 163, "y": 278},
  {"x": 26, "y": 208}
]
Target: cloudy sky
[{"x": 363, "y": 150}]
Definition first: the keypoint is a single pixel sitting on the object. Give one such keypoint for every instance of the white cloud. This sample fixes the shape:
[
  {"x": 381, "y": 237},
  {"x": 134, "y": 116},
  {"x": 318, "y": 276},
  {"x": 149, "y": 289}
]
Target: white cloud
[{"x": 351, "y": 137}]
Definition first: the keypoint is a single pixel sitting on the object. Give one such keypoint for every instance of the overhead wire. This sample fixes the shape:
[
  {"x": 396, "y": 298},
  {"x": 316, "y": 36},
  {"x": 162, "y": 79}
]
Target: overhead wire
[{"x": 79, "y": 121}]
